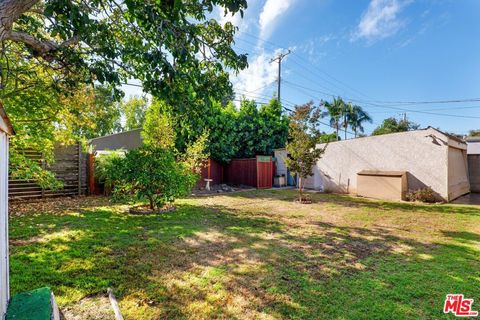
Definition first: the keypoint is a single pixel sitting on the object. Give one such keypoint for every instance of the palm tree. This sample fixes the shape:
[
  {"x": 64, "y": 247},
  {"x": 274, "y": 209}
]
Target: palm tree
[
  {"x": 356, "y": 118},
  {"x": 335, "y": 110}
]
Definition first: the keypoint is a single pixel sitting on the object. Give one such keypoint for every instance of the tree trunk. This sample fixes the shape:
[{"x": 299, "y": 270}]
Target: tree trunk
[
  {"x": 300, "y": 189},
  {"x": 152, "y": 204},
  {"x": 10, "y": 11}
]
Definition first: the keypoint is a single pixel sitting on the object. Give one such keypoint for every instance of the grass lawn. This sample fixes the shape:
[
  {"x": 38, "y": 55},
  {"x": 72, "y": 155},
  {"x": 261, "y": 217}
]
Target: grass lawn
[{"x": 250, "y": 255}]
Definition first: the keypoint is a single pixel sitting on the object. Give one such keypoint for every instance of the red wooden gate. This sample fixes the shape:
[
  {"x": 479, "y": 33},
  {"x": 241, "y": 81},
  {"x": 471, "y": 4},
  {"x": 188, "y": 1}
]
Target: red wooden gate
[
  {"x": 264, "y": 172},
  {"x": 256, "y": 172}
]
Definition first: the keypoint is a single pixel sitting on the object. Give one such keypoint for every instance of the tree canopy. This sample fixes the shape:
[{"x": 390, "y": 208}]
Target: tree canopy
[
  {"x": 391, "y": 125},
  {"x": 302, "y": 145},
  {"x": 55, "y": 51},
  {"x": 232, "y": 133},
  {"x": 474, "y": 133},
  {"x": 172, "y": 47}
]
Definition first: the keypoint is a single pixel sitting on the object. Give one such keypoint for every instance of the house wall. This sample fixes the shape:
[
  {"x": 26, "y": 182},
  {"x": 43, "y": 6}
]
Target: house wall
[
  {"x": 473, "y": 147},
  {"x": 423, "y": 154},
  {"x": 281, "y": 155},
  {"x": 4, "y": 286}
]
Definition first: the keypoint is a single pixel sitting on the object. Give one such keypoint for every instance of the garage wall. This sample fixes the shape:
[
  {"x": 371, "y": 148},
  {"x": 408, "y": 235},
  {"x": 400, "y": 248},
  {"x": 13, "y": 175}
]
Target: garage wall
[
  {"x": 422, "y": 153},
  {"x": 458, "y": 180}
]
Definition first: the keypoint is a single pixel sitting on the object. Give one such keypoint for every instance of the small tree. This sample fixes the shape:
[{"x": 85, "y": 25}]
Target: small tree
[
  {"x": 158, "y": 130},
  {"x": 301, "y": 147},
  {"x": 154, "y": 174}
]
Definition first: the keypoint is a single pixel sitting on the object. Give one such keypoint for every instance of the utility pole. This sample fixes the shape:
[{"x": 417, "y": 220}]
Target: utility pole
[{"x": 279, "y": 58}]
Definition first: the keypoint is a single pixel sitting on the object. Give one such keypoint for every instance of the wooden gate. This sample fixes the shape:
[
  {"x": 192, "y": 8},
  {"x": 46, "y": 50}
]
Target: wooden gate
[
  {"x": 256, "y": 172},
  {"x": 264, "y": 172}
]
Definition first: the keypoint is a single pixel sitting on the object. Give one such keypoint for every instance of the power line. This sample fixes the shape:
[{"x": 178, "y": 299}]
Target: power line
[
  {"x": 466, "y": 100},
  {"x": 392, "y": 107}
]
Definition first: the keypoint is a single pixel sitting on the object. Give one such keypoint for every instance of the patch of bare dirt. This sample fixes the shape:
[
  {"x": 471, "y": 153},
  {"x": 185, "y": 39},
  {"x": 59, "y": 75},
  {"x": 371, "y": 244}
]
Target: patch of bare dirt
[
  {"x": 55, "y": 205},
  {"x": 90, "y": 308}
]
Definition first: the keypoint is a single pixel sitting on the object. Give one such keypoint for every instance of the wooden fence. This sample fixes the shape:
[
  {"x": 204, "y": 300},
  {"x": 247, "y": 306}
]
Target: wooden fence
[
  {"x": 256, "y": 172},
  {"x": 70, "y": 167}
]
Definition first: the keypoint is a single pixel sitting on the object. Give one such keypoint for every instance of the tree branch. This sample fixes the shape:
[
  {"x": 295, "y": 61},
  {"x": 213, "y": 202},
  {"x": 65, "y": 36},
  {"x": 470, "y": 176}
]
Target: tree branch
[
  {"x": 10, "y": 11},
  {"x": 41, "y": 48}
]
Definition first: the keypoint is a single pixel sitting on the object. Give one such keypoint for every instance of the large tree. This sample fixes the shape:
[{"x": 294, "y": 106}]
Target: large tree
[
  {"x": 51, "y": 48},
  {"x": 335, "y": 111},
  {"x": 171, "y": 46},
  {"x": 260, "y": 130},
  {"x": 355, "y": 118},
  {"x": 134, "y": 110}
]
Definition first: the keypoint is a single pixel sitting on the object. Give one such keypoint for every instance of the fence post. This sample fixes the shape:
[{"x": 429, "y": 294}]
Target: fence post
[
  {"x": 79, "y": 149},
  {"x": 43, "y": 168},
  {"x": 91, "y": 173},
  {"x": 257, "y": 171}
]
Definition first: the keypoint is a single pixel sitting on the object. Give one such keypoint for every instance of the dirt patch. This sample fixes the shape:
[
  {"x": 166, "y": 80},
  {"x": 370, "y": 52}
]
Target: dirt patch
[
  {"x": 55, "y": 205},
  {"x": 145, "y": 210},
  {"x": 90, "y": 308}
]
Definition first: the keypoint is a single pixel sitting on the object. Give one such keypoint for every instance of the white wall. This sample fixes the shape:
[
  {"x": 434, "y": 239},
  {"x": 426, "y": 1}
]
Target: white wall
[
  {"x": 4, "y": 286},
  {"x": 422, "y": 153},
  {"x": 473, "y": 147},
  {"x": 281, "y": 155}
]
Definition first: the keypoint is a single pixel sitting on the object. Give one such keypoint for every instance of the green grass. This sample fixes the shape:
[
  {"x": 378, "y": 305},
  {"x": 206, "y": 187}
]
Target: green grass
[{"x": 254, "y": 255}]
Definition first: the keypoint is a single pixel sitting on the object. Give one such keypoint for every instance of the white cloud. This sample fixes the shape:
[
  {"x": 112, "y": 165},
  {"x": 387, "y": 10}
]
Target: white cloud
[
  {"x": 260, "y": 74},
  {"x": 271, "y": 12},
  {"x": 223, "y": 18},
  {"x": 380, "y": 20}
]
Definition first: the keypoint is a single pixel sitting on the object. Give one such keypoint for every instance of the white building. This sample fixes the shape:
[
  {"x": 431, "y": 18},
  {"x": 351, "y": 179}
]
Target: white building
[
  {"x": 473, "y": 145},
  {"x": 6, "y": 130},
  {"x": 430, "y": 158}
]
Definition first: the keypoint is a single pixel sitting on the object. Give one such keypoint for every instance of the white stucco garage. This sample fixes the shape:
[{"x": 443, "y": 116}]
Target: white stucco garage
[{"x": 429, "y": 156}]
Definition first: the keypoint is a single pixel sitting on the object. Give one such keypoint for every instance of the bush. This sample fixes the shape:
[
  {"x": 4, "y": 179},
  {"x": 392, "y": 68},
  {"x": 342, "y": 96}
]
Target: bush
[
  {"x": 107, "y": 166},
  {"x": 424, "y": 195},
  {"x": 153, "y": 174}
]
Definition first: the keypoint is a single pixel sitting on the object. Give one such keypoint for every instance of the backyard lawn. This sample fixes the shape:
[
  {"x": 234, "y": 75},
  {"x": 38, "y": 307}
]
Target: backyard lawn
[{"x": 250, "y": 255}]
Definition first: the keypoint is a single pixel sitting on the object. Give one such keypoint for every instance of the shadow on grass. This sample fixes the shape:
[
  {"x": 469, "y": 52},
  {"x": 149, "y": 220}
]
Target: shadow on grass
[
  {"x": 359, "y": 202},
  {"x": 217, "y": 262}
]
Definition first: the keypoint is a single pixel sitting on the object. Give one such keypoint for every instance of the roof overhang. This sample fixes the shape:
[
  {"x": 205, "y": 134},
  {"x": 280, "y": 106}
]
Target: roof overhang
[{"x": 5, "y": 124}]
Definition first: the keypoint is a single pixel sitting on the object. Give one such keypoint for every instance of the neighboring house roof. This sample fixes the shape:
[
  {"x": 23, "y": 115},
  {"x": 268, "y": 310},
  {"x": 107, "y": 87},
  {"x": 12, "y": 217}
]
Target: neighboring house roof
[
  {"x": 472, "y": 139},
  {"x": 127, "y": 140},
  {"x": 5, "y": 124}
]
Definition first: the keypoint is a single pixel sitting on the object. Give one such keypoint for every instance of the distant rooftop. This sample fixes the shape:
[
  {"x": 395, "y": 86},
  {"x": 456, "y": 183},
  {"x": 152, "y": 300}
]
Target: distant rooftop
[{"x": 127, "y": 140}]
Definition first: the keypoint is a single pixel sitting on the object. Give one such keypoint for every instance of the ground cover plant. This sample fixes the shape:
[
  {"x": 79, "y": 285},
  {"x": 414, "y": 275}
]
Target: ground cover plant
[{"x": 250, "y": 255}]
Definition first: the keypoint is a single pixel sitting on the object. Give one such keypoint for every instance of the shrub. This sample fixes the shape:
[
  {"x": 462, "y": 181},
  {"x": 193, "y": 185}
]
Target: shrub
[
  {"x": 107, "y": 166},
  {"x": 153, "y": 174},
  {"x": 424, "y": 195}
]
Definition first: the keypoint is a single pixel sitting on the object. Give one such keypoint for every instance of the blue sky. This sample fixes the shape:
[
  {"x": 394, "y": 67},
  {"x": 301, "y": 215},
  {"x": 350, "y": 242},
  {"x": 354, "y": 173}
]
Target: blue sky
[{"x": 372, "y": 52}]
